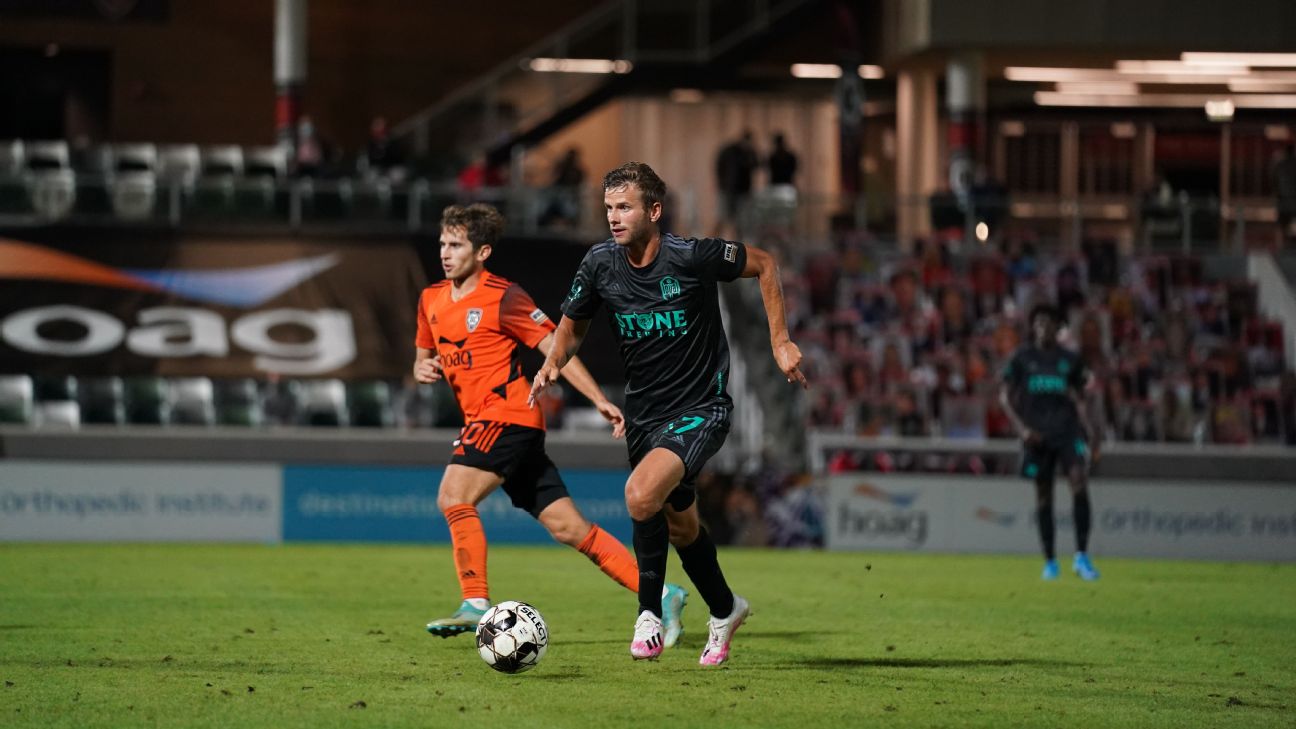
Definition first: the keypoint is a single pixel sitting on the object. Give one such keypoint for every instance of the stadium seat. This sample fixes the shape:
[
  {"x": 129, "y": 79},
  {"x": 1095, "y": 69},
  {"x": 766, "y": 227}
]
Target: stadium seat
[
  {"x": 133, "y": 180},
  {"x": 103, "y": 401},
  {"x": 179, "y": 164},
  {"x": 282, "y": 402},
  {"x": 17, "y": 398},
  {"x": 12, "y": 158},
  {"x": 324, "y": 403},
  {"x": 148, "y": 401},
  {"x": 259, "y": 190},
  {"x": 50, "y": 181},
  {"x": 219, "y": 173},
  {"x": 239, "y": 402},
  {"x": 58, "y": 413},
  {"x": 370, "y": 404},
  {"x": 193, "y": 401}
]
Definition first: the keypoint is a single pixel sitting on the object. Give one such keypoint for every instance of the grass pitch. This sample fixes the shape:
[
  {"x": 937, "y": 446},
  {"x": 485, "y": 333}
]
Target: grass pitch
[{"x": 221, "y": 636}]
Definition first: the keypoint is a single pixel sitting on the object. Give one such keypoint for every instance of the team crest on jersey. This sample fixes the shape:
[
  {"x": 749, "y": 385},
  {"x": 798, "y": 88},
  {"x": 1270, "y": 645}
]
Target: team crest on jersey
[
  {"x": 670, "y": 288},
  {"x": 538, "y": 316},
  {"x": 474, "y": 318},
  {"x": 731, "y": 252}
]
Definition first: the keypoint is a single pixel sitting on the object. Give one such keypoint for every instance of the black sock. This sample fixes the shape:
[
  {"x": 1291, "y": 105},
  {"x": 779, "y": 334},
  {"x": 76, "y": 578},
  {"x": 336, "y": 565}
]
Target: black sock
[
  {"x": 1083, "y": 520},
  {"x": 651, "y": 539},
  {"x": 1044, "y": 518},
  {"x": 700, "y": 563}
]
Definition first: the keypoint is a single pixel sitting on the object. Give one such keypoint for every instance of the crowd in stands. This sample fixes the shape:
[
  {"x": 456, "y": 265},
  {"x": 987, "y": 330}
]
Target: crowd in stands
[{"x": 913, "y": 347}]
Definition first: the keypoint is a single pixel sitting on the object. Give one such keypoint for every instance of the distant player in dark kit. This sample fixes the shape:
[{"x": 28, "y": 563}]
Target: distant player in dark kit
[
  {"x": 469, "y": 328},
  {"x": 1042, "y": 395},
  {"x": 663, "y": 302}
]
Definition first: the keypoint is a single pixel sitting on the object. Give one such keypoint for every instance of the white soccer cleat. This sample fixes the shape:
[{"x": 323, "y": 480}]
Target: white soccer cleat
[
  {"x": 721, "y": 633},
  {"x": 648, "y": 642}
]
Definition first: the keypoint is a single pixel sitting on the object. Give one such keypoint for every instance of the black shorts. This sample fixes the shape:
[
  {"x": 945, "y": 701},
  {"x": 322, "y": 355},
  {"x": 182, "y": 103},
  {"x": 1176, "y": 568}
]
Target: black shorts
[
  {"x": 1055, "y": 452},
  {"x": 695, "y": 436},
  {"x": 517, "y": 454}
]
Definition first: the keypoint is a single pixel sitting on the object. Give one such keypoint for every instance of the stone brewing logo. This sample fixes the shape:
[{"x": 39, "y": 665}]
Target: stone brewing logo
[{"x": 670, "y": 288}]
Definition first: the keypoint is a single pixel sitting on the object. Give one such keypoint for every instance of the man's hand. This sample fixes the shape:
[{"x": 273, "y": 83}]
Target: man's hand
[
  {"x": 547, "y": 376},
  {"x": 428, "y": 369},
  {"x": 612, "y": 414},
  {"x": 1030, "y": 437},
  {"x": 788, "y": 357}
]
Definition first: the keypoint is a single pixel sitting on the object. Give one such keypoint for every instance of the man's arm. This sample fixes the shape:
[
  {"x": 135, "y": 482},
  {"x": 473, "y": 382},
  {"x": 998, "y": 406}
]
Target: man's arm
[
  {"x": 427, "y": 366},
  {"x": 580, "y": 378},
  {"x": 788, "y": 356},
  {"x": 1082, "y": 411},
  {"x": 567, "y": 339},
  {"x": 1005, "y": 399}
]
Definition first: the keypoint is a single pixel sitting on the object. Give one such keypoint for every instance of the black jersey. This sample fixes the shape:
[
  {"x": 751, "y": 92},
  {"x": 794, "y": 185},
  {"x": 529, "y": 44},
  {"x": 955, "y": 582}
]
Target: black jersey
[
  {"x": 1041, "y": 382},
  {"x": 666, "y": 316}
]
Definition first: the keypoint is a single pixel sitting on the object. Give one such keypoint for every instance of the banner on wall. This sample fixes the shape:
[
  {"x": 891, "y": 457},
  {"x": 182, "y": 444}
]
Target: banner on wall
[
  {"x": 389, "y": 504},
  {"x": 1143, "y": 518},
  {"x": 83, "y": 301},
  {"x": 117, "y": 502}
]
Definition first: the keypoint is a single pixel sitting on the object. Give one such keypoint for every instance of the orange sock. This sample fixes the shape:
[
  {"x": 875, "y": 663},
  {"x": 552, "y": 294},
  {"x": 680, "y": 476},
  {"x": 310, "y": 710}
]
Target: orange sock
[
  {"x": 612, "y": 557},
  {"x": 469, "y": 542}
]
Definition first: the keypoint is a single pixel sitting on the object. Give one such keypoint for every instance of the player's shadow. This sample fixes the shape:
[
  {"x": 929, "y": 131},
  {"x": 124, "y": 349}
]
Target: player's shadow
[{"x": 844, "y": 662}]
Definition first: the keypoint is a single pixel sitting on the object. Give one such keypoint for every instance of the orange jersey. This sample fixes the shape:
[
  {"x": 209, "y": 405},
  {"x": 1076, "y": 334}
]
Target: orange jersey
[{"x": 477, "y": 339}]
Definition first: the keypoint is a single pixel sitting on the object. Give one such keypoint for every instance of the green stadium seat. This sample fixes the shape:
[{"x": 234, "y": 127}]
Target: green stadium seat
[
  {"x": 103, "y": 401},
  {"x": 239, "y": 402},
  {"x": 370, "y": 404},
  {"x": 148, "y": 401},
  {"x": 17, "y": 399}
]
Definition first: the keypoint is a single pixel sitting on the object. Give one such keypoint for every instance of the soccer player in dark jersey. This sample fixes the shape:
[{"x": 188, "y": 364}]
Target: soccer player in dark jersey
[
  {"x": 469, "y": 327},
  {"x": 1042, "y": 395},
  {"x": 662, "y": 300}
]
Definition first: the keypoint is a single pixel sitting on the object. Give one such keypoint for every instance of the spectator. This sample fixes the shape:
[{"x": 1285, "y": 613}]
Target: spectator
[
  {"x": 382, "y": 157},
  {"x": 1284, "y": 183},
  {"x": 313, "y": 152},
  {"x": 564, "y": 190},
  {"x": 735, "y": 165},
  {"x": 782, "y": 164},
  {"x": 1176, "y": 419},
  {"x": 479, "y": 176}
]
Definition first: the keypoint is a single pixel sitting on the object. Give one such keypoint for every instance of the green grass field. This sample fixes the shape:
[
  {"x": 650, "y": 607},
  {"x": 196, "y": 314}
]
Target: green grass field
[{"x": 221, "y": 636}]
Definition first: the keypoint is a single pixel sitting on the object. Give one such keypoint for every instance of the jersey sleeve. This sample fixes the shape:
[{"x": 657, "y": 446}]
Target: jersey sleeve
[
  {"x": 423, "y": 339},
  {"x": 521, "y": 319},
  {"x": 583, "y": 300},
  {"x": 720, "y": 260}
]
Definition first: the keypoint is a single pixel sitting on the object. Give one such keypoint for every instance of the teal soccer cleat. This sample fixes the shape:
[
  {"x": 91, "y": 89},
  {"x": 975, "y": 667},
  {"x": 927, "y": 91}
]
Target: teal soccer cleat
[
  {"x": 464, "y": 620},
  {"x": 1083, "y": 568},
  {"x": 1050, "y": 572},
  {"x": 674, "y": 598}
]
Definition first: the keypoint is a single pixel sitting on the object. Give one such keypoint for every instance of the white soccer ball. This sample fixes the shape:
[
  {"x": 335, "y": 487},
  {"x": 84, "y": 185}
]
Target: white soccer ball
[{"x": 511, "y": 637}]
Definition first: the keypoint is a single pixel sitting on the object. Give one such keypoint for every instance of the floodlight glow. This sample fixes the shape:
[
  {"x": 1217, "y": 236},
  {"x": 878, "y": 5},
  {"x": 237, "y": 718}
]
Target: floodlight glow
[
  {"x": 1199, "y": 58},
  {"x": 579, "y": 65},
  {"x": 816, "y": 70}
]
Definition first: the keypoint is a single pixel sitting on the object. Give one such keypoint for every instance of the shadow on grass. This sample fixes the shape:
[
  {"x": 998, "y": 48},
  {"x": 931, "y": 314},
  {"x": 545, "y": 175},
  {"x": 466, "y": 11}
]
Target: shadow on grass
[
  {"x": 18, "y": 627},
  {"x": 841, "y": 662}
]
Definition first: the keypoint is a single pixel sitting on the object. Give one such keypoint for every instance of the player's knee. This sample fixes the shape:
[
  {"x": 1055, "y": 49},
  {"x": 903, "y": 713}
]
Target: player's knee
[
  {"x": 641, "y": 504},
  {"x": 569, "y": 533},
  {"x": 446, "y": 500}
]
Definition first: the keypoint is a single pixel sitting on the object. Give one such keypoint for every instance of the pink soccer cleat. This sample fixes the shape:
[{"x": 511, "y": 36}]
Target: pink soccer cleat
[
  {"x": 721, "y": 632},
  {"x": 648, "y": 642}
]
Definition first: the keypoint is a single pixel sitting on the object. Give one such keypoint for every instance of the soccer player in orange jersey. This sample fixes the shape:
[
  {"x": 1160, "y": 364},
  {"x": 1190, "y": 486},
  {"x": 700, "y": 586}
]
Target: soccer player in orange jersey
[{"x": 469, "y": 327}]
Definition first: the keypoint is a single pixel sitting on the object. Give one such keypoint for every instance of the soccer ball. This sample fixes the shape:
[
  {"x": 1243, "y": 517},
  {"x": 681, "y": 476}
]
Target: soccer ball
[{"x": 511, "y": 637}]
